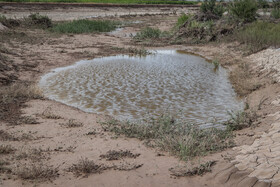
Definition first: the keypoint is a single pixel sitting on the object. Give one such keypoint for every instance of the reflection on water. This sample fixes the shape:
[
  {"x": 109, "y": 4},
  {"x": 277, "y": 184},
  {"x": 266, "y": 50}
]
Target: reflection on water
[{"x": 132, "y": 87}]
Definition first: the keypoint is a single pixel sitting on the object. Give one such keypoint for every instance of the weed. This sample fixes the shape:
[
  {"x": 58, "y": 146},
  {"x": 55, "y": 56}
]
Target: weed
[
  {"x": 240, "y": 120},
  {"x": 38, "y": 20},
  {"x": 212, "y": 7},
  {"x": 6, "y": 149},
  {"x": 178, "y": 137},
  {"x": 275, "y": 13},
  {"x": 263, "y": 4},
  {"x": 148, "y": 33},
  {"x": 259, "y": 35},
  {"x": 72, "y": 123},
  {"x": 182, "y": 20},
  {"x": 276, "y": 4},
  {"x": 198, "y": 170},
  {"x": 138, "y": 52},
  {"x": 37, "y": 171},
  {"x": 216, "y": 64},
  {"x": 85, "y": 167},
  {"x": 85, "y": 26},
  {"x": 244, "y": 10},
  {"x": 117, "y": 155}
]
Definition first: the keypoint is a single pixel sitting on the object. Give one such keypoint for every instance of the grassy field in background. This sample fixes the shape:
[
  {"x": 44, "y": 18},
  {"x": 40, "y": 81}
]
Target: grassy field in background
[{"x": 109, "y": 1}]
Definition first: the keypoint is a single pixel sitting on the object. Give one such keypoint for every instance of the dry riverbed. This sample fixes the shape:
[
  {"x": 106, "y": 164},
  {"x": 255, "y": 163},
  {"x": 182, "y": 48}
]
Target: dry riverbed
[{"x": 54, "y": 144}]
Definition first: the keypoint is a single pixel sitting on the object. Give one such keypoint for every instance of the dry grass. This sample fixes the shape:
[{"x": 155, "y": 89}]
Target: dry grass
[
  {"x": 117, "y": 155},
  {"x": 72, "y": 123},
  {"x": 178, "y": 137},
  {"x": 86, "y": 167},
  {"x": 5, "y": 136},
  {"x": 48, "y": 114},
  {"x": 4, "y": 168},
  {"x": 36, "y": 155},
  {"x": 37, "y": 171},
  {"x": 6, "y": 149},
  {"x": 20, "y": 90},
  {"x": 29, "y": 120},
  {"x": 197, "y": 170}
]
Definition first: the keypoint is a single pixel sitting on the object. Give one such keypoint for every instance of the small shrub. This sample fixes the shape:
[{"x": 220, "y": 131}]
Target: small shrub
[
  {"x": 8, "y": 22},
  {"x": 275, "y": 13},
  {"x": 85, "y": 167},
  {"x": 117, "y": 155},
  {"x": 36, "y": 19},
  {"x": 148, "y": 33},
  {"x": 211, "y": 6},
  {"x": 48, "y": 114},
  {"x": 6, "y": 149},
  {"x": 85, "y": 26},
  {"x": 37, "y": 172},
  {"x": 276, "y": 4},
  {"x": 263, "y": 4},
  {"x": 198, "y": 170},
  {"x": 72, "y": 123},
  {"x": 244, "y": 10}
]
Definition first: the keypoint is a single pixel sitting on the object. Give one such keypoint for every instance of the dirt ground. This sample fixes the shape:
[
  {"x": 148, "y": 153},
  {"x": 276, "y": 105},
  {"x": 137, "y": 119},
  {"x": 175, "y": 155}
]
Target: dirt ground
[{"x": 51, "y": 143}]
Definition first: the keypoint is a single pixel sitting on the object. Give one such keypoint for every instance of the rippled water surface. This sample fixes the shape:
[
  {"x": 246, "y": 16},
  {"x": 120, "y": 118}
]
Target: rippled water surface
[{"x": 133, "y": 87}]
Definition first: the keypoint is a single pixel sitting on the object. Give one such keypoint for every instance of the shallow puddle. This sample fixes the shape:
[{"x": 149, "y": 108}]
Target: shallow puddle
[{"x": 134, "y": 87}]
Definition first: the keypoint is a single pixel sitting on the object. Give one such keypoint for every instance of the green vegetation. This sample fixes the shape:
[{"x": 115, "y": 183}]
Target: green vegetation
[
  {"x": 263, "y": 4},
  {"x": 178, "y": 137},
  {"x": 148, "y": 33},
  {"x": 244, "y": 10},
  {"x": 111, "y": 1},
  {"x": 85, "y": 26},
  {"x": 259, "y": 35},
  {"x": 275, "y": 13},
  {"x": 182, "y": 20},
  {"x": 212, "y": 7}
]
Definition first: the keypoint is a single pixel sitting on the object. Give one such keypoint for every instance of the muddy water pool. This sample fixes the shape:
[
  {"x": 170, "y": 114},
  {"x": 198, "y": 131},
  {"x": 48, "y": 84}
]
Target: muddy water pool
[{"x": 126, "y": 87}]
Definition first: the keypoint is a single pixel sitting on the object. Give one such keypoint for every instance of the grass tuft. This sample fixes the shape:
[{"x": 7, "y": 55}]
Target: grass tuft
[
  {"x": 117, "y": 155},
  {"x": 198, "y": 170},
  {"x": 37, "y": 172},
  {"x": 259, "y": 35},
  {"x": 178, "y": 137},
  {"x": 72, "y": 123},
  {"x": 85, "y": 26},
  {"x": 6, "y": 149},
  {"x": 85, "y": 167},
  {"x": 148, "y": 33}
]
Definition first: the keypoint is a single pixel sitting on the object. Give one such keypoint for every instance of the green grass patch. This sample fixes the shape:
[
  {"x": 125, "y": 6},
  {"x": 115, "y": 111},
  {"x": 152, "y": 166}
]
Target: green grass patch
[
  {"x": 112, "y": 1},
  {"x": 259, "y": 35},
  {"x": 85, "y": 26},
  {"x": 178, "y": 137},
  {"x": 182, "y": 19}
]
